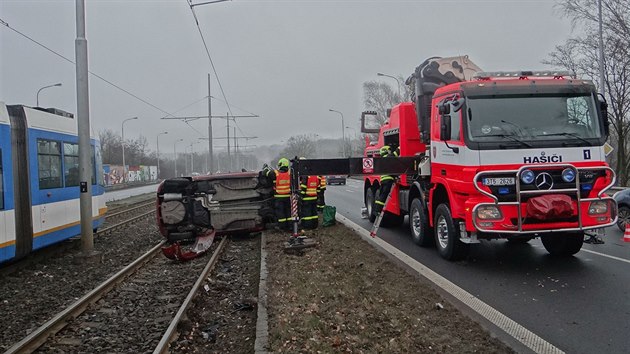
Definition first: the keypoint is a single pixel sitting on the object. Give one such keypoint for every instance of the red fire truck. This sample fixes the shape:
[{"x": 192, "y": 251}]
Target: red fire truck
[{"x": 510, "y": 155}]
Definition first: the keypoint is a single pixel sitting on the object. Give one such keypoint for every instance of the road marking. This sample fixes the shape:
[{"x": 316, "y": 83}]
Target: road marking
[
  {"x": 606, "y": 255},
  {"x": 509, "y": 326}
]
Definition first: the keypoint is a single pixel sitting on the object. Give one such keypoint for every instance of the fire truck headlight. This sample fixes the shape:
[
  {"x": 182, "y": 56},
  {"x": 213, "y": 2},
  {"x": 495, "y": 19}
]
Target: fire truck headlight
[
  {"x": 598, "y": 207},
  {"x": 528, "y": 176},
  {"x": 568, "y": 175},
  {"x": 489, "y": 212}
]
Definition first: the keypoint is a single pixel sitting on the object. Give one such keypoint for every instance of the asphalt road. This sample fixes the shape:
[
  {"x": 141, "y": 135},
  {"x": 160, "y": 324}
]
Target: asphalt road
[{"x": 579, "y": 304}]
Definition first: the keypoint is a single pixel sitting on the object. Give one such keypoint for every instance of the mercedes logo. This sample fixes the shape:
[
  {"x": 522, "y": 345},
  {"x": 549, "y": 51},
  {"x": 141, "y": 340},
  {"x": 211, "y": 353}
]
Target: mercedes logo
[{"x": 544, "y": 181}]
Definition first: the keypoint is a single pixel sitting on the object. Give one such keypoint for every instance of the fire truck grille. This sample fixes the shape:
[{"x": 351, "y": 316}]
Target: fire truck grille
[{"x": 508, "y": 193}]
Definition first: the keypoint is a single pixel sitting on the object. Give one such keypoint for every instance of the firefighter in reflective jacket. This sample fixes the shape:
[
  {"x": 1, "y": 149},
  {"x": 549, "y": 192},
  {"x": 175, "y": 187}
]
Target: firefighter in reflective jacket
[
  {"x": 308, "y": 192},
  {"x": 386, "y": 180},
  {"x": 282, "y": 192},
  {"x": 321, "y": 189}
]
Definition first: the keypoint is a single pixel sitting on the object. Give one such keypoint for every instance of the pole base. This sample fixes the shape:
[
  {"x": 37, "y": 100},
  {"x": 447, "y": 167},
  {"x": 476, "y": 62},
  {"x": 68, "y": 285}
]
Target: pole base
[{"x": 90, "y": 257}]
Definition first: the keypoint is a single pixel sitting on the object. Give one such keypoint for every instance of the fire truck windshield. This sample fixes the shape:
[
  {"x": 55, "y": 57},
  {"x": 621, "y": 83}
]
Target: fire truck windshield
[{"x": 532, "y": 120}]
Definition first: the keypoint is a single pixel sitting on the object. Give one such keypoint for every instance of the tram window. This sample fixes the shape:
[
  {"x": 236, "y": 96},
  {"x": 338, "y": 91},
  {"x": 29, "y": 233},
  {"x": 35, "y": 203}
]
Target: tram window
[
  {"x": 1, "y": 184},
  {"x": 71, "y": 164},
  {"x": 94, "y": 170},
  {"x": 49, "y": 163}
]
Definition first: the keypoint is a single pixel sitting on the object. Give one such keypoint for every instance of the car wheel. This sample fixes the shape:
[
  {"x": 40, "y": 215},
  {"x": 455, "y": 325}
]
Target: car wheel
[
  {"x": 447, "y": 235},
  {"x": 369, "y": 204},
  {"x": 623, "y": 217},
  {"x": 563, "y": 244}
]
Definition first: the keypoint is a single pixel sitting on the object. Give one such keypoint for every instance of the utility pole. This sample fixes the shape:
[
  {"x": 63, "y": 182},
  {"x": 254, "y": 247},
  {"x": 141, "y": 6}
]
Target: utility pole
[
  {"x": 209, "y": 158},
  {"x": 602, "y": 88},
  {"x": 235, "y": 150},
  {"x": 83, "y": 126},
  {"x": 227, "y": 119}
]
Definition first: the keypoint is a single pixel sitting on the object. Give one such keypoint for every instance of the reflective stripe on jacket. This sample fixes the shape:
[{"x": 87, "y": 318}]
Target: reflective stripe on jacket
[
  {"x": 283, "y": 184},
  {"x": 322, "y": 182},
  {"x": 309, "y": 190},
  {"x": 389, "y": 153}
]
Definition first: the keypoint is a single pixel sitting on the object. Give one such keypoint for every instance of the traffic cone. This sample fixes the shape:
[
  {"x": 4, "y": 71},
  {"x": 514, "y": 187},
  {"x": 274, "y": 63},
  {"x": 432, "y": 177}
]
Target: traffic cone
[{"x": 626, "y": 234}]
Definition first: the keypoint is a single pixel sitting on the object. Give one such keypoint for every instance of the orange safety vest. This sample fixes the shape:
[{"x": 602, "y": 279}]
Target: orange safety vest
[
  {"x": 309, "y": 190},
  {"x": 283, "y": 184},
  {"x": 322, "y": 182}
]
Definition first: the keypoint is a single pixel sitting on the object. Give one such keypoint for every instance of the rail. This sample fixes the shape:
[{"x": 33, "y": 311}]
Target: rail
[
  {"x": 171, "y": 332},
  {"x": 38, "y": 337}
]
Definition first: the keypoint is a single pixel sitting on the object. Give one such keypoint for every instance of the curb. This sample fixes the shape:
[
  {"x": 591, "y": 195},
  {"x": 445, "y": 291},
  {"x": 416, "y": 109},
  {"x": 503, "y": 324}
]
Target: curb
[
  {"x": 524, "y": 339},
  {"x": 262, "y": 330}
]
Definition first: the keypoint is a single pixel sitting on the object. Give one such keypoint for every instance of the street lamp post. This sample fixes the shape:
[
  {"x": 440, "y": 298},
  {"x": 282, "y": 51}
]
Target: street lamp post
[
  {"x": 397, "y": 81},
  {"x": 157, "y": 146},
  {"x": 343, "y": 131},
  {"x": 123, "y": 148},
  {"x": 175, "y": 154},
  {"x": 45, "y": 87}
]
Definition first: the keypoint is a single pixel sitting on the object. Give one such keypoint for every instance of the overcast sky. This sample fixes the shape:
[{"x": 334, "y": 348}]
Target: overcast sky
[{"x": 287, "y": 61}]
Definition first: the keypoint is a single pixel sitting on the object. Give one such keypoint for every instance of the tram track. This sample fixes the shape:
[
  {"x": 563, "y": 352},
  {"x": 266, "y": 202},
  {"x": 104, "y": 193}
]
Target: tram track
[{"x": 125, "y": 312}]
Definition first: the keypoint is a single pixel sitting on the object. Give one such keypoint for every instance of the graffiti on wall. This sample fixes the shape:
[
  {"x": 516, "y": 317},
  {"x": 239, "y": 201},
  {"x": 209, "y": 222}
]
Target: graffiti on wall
[{"x": 113, "y": 174}]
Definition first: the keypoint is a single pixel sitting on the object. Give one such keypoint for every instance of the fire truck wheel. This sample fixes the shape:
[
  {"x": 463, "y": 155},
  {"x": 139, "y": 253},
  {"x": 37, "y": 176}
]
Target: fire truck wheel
[
  {"x": 369, "y": 204},
  {"x": 563, "y": 244},
  {"x": 447, "y": 235},
  {"x": 419, "y": 225}
]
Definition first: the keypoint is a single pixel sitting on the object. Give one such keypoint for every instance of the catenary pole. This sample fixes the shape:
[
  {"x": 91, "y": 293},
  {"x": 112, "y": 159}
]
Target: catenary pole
[
  {"x": 209, "y": 160},
  {"x": 83, "y": 125}
]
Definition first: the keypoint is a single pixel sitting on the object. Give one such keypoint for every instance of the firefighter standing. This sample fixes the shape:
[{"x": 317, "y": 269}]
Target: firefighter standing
[
  {"x": 321, "y": 189},
  {"x": 309, "y": 186},
  {"x": 386, "y": 180},
  {"x": 282, "y": 192}
]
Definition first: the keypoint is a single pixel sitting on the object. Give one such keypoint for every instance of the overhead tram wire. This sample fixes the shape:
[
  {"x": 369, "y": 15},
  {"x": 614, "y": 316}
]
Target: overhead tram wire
[
  {"x": 205, "y": 45},
  {"x": 92, "y": 73},
  {"x": 191, "y": 5}
]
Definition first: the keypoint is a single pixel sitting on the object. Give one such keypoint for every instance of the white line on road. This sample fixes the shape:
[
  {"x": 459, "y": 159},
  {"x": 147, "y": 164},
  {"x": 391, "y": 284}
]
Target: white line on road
[
  {"x": 607, "y": 256},
  {"x": 509, "y": 326}
]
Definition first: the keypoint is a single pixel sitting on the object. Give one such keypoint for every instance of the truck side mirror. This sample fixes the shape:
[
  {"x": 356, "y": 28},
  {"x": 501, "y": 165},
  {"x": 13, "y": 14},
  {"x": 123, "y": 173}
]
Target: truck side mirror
[
  {"x": 444, "y": 108},
  {"x": 603, "y": 108},
  {"x": 369, "y": 123},
  {"x": 445, "y": 127},
  {"x": 457, "y": 104}
]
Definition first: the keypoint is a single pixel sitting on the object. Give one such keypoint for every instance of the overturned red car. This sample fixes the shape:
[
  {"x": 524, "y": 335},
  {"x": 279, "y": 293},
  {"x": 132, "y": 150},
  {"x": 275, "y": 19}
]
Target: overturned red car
[{"x": 191, "y": 211}]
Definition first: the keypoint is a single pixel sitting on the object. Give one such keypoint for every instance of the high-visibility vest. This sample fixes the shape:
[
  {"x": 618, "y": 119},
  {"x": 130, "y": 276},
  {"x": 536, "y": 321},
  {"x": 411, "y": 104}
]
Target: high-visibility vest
[
  {"x": 385, "y": 152},
  {"x": 283, "y": 184},
  {"x": 322, "y": 182},
  {"x": 309, "y": 190}
]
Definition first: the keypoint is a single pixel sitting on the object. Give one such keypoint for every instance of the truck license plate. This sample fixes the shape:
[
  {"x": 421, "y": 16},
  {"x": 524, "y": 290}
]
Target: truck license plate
[{"x": 502, "y": 181}]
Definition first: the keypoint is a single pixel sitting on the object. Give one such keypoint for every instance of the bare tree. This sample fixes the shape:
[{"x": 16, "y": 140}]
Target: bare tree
[
  {"x": 300, "y": 146},
  {"x": 580, "y": 55},
  {"x": 379, "y": 97},
  {"x": 110, "y": 146}
]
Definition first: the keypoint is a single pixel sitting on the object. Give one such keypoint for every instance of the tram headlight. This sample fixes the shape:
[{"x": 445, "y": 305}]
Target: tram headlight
[
  {"x": 568, "y": 175},
  {"x": 528, "y": 176}
]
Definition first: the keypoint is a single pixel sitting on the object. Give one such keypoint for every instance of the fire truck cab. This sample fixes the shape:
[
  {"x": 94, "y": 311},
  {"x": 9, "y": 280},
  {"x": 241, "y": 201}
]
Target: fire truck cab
[{"x": 512, "y": 155}]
